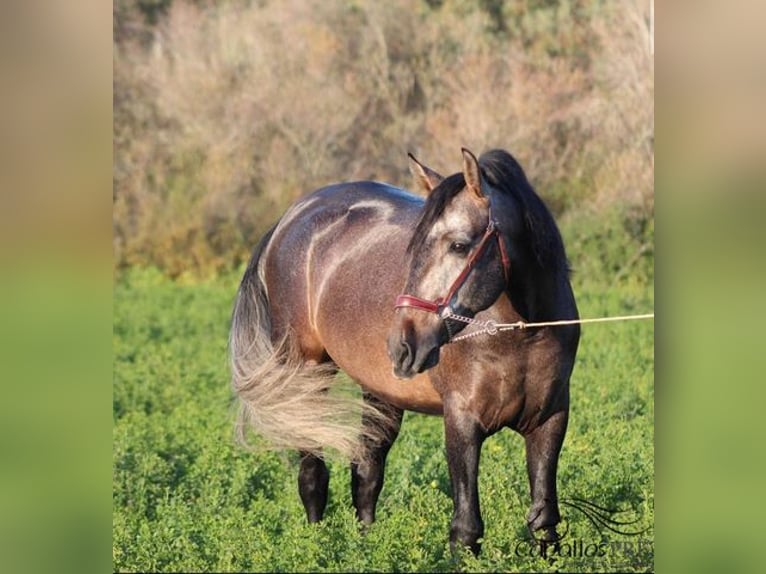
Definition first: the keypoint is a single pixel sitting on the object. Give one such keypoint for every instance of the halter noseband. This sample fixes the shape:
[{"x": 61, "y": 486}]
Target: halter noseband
[{"x": 441, "y": 304}]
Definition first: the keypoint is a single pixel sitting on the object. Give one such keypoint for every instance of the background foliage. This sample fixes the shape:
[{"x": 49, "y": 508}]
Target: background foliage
[{"x": 225, "y": 112}]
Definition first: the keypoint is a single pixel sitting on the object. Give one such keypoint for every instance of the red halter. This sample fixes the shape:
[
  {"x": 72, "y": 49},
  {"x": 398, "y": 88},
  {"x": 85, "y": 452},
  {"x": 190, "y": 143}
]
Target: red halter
[{"x": 438, "y": 305}]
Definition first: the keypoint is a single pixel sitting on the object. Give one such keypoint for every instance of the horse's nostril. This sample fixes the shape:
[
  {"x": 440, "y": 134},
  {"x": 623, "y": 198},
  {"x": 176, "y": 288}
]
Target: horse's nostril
[{"x": 405, "y": 353}]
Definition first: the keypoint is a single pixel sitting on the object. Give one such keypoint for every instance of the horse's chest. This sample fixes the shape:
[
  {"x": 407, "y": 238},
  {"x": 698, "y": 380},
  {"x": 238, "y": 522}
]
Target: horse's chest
[{"x": 511, "y": 384}]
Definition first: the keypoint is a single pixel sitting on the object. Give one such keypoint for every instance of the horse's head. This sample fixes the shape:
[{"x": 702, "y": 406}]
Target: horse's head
[{"x": 460, "y": 260}]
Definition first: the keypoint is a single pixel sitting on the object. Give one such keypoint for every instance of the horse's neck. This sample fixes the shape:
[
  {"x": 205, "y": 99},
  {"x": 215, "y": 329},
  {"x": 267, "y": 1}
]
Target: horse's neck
[{"x": 535, "y": 297}]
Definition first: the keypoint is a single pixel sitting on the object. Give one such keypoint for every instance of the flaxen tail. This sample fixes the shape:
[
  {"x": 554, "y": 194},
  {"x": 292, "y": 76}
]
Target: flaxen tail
[{"x": 279, "y": 395}]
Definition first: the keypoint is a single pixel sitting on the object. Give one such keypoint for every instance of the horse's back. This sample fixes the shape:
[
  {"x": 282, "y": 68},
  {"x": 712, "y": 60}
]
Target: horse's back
[
  {"x": 324, "y": 227},
  {"x": 369, "y": 198}
]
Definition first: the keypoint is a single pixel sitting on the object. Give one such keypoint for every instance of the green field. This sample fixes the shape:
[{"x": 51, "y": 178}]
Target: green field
[{"x": 187, "y": 498}]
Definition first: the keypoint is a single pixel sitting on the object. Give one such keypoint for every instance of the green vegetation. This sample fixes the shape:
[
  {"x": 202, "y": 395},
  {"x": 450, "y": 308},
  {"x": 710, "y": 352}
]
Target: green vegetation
[{"x": 186, "y": 498}]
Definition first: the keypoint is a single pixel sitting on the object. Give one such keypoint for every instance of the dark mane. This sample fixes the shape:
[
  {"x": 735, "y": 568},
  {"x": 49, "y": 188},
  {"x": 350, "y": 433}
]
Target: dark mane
[{"x": 503, "y": 173}]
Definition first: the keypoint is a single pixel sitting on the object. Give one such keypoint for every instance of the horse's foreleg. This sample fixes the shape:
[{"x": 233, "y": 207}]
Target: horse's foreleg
[
  {"x": 543, "y": 446},
  {"x": 367, "y": 476},
  {"x": 313, "y": 484},
  {"x": 464, "y": 437}
]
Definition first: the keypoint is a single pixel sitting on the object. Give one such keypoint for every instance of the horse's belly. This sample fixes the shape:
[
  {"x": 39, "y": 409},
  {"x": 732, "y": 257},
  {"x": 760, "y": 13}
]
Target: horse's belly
[
  {"x": 416, "y": 394},
  {"x": 360, "y": 351}
]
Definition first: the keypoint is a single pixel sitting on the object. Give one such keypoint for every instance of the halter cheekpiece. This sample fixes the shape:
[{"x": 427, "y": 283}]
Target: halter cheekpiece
[{"x": 440, "y": 305}]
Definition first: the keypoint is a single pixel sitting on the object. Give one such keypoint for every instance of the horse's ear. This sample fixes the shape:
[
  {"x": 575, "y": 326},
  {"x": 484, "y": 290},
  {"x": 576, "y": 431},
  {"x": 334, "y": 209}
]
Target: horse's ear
[
  {"x": 472, "y": 174},
  {"x": 425, "y": 178}
]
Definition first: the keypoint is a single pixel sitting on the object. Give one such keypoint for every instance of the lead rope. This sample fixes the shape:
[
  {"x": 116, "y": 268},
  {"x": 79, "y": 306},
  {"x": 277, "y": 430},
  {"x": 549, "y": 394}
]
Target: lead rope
[{"x": 491, "y": 327}]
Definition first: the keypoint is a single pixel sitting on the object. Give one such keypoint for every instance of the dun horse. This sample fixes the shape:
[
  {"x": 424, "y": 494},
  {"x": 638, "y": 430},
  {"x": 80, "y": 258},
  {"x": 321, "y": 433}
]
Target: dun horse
[{"x": 365, "y": 277}]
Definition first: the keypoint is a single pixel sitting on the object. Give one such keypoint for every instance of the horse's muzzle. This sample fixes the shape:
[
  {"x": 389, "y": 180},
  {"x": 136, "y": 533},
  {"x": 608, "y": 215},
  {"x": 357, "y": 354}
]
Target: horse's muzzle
[{"x": 410, "y": 357}]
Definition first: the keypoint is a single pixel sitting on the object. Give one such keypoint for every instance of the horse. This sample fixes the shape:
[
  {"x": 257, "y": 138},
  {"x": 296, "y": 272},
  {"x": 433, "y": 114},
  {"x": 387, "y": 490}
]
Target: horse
[{"x": 379, "y": 282}]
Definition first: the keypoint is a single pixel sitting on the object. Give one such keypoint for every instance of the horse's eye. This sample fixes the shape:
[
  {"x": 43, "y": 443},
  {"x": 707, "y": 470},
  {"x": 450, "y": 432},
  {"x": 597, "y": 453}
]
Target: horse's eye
[{"x": 458, "y": 248}]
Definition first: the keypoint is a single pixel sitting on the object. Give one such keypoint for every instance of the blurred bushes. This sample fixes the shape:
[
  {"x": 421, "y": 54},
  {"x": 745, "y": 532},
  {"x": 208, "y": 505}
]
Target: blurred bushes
[{"x": 224, "y": 113}]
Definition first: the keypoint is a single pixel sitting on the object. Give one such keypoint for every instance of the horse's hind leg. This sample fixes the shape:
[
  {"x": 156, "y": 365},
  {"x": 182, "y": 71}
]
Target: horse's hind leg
[
  {"x": 313, "y": 481},
  {"x": 543, "y": 446},
  {"x": 367, "y": 476},
  {"x": 313, "y": 484}
]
